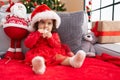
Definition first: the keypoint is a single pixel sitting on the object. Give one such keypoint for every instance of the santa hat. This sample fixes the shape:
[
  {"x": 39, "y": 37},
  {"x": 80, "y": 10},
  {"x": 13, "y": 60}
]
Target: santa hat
[
  {"x": 8, "y": 9},
  {"x": 44, "y": 12}
]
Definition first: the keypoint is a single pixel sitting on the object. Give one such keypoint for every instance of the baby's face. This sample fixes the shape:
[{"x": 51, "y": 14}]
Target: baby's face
[{"x": 46, "y": 24}]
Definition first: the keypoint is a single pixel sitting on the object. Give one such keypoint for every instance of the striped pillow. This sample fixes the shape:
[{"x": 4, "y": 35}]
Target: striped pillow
[{"x": 71, "y": 29}]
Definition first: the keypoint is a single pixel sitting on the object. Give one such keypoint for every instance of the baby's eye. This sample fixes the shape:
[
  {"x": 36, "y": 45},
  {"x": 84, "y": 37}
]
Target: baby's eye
[{"x": 49, "y": 23}]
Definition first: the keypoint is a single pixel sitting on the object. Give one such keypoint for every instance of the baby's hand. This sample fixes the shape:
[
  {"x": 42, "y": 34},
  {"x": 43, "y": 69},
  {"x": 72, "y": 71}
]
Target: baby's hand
[
  {"x": 41, "y": 30},
  {"x": 47, "y": 34}
]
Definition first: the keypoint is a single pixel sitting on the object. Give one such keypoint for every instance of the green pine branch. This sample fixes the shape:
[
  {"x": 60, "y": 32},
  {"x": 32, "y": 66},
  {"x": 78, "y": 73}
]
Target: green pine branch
[{"x": 53, "y": 4}]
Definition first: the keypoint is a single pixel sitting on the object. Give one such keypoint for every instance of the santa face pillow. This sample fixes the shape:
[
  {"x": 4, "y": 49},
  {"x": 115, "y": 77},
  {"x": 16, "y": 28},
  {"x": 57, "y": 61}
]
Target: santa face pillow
[{"x": 18, "y": 10}]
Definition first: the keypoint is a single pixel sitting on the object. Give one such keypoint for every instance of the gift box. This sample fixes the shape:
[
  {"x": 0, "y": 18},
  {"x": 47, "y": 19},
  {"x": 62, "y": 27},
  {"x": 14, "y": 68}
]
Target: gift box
[{"x": 107, "y": 31}]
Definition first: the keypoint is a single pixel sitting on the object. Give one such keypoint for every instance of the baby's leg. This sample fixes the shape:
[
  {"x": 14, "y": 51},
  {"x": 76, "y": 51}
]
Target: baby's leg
[
  {"x": 71, "y": 54},
  {"x": 38, "y": 64}
]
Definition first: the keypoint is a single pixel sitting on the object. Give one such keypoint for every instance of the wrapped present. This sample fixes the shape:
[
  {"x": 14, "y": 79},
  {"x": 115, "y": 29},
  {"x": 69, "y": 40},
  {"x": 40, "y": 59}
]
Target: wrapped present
[{"x": 107, "y": 31}]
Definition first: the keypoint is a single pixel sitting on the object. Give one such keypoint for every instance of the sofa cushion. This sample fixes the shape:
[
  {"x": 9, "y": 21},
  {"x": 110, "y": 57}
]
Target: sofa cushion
[{"x": 73, "y": 25}]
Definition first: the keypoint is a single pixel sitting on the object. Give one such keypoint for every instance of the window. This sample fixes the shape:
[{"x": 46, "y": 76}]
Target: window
[
  {"x": 106, "y": 13},
  {"x": 117, "y": 12},
  {"x": 117, "y": 1},
  {"x": 96, "y": 15},
  {"x": 105, "y": 2},
  {"x": 104, "y": 9},
  {"x": 96, "y": 4}
]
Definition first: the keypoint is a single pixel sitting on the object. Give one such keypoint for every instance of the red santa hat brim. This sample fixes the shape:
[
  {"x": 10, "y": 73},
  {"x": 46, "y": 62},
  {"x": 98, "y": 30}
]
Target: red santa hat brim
[{"x": 44, "y": 12}]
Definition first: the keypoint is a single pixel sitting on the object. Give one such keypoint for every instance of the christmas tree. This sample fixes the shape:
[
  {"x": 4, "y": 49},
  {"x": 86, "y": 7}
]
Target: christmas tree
[{"x": 56, "y": 5}]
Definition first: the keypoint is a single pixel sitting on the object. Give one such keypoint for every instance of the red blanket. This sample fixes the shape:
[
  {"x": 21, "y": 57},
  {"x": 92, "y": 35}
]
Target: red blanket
[
  {"x": 92, "y": 69},
  {"x": 111, "y": 59}
]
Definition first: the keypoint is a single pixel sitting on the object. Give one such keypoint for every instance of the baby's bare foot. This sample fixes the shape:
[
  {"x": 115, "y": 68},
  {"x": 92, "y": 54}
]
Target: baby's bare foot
[
  {"x": 38, "y": 65},
  {"x": 78, "y": 59}
]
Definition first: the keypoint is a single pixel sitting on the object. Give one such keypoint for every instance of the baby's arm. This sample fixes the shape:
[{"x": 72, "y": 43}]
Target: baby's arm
[
  {"x": 54, "y": 40},
  {"x": 32, "y": 39}
]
